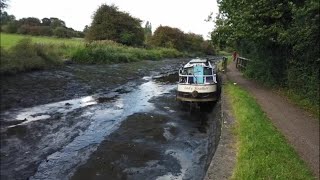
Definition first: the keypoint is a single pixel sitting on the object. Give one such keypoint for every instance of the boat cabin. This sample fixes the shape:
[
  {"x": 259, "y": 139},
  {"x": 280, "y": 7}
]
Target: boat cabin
[{"x": 198, "y": 71}]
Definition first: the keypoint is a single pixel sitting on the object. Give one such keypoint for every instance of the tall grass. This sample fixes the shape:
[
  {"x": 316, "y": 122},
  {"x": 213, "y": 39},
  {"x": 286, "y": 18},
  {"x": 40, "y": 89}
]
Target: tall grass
[
  {"x": 111, "y": 52},
  {"x": 26, "y": 56},
  {"x": 263, "y": 152},
  {"x": 20, "y": 54},
  {"x": 10, "y": 40}
]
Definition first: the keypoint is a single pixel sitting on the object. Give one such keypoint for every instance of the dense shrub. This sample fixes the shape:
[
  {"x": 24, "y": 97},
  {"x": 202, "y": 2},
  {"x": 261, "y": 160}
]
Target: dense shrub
[
  {"x": 111, "y": 24},
  {"x": 282, "y": 37},
  {"x": 33, "y": 26},
  {"x": 11, "y": 27},
  {"x": 168, "y": 37},
  {"x": 62, "y": 32}
]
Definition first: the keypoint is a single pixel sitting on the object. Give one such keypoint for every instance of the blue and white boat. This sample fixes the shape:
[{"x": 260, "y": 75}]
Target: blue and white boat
[{"x": 198, "y": 82}]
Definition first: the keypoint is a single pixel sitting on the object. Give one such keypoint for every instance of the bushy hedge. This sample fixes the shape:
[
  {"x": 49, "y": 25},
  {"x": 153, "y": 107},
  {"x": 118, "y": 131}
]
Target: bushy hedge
[
  {"x": 111, "y": 52},
  {"x": 282, "y": 37}
]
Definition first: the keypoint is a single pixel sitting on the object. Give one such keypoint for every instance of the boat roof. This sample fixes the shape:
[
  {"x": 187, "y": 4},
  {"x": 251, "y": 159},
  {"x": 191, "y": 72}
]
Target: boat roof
[{"x": 198, "y": 61}]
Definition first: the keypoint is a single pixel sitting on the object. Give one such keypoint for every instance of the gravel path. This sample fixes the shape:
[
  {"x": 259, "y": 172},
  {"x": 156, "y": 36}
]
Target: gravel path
[{"x": 299, "y": 128}]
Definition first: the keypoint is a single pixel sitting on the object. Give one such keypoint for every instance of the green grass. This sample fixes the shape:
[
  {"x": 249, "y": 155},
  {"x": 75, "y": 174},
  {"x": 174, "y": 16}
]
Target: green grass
[
  {"x": 20, "y": 53},
  {"x": 304, "y": 103},
  {"x": 9, "y": 40},
  {"x": 224, "y": 53},
  {"x": 262, "y": 151},
  {"x": 26, "y": 56},
  {"x": 111, "y": 52}
]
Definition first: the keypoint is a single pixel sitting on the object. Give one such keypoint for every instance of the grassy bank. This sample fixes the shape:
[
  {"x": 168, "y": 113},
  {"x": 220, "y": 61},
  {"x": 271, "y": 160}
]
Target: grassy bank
[
  {"x": 300, "y": 101},
  {"x": 262, "y": 152},
  {"x": 27, "y": 56},
  {"x": 21, "y": 53},
  {"x": 111, "y": 52},
  {"x": 10, "y": 40}
]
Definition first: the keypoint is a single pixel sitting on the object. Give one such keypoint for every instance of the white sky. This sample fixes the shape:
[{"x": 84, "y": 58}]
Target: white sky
[{"x": 187, "y": 15}]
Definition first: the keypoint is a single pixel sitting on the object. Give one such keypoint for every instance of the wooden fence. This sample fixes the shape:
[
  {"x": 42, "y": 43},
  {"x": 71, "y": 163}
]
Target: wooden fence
[{"x": 241, "y": 63}]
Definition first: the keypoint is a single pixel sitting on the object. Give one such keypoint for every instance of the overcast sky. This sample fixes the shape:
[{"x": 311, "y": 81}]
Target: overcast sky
[{"x": 187, "y": 15}]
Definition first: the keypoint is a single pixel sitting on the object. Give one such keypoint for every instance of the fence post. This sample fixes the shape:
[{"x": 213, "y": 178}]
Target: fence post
[
  {"x": 224, "y": 64},
  {"x": 242, "y": 63},
  {"x": 237, "y": 62}
]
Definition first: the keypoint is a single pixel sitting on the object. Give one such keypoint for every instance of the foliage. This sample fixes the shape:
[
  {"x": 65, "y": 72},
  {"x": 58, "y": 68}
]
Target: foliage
[
  {"x": 33, "y": 26},
  {"x": 207, "y": 48},
  {"x": 9, "y": 40},
  {"x": 10, "y": 27},
  {"x": 3, "y": 5},
  {"x": 111, "y": 24},
  {"x": 280, "y": 36},
  {"x": 112, "y": 52},
  {"x": 148, "y": 33},
  {"x": 262, "y": 152},
  {"x": 165, "y": 36},
  {"x": 26, "y": 56},
  {"x": 19, "y": 54},
  {"x": 62, "y": 32},
  {"x": 148, "y": 29},
  {"x": 5, "y": 18}
]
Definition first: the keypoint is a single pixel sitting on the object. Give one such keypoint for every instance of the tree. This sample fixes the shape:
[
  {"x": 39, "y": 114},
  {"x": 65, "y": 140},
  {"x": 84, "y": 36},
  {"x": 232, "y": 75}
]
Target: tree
[
  {"x": 62, "y": 32},
  {"x": 165, "y": 36},
  {"x": 193, "y": 42},
  {"x": 10, "y": 27},
  {"x": 86, "y": 28},
  {"x": 46, "y": 22},
  {"x": 5, "y": 18},
  {"x": 148, "y": 29},
  {"x": 3, "y": 5},
  {"x": 281, "y": 36},
  {"x": 207, "y": 48},
  {"x": 56, "y": 22},
  {"x": 111, "y": 24},
  {"x": 30, "y": 21}
]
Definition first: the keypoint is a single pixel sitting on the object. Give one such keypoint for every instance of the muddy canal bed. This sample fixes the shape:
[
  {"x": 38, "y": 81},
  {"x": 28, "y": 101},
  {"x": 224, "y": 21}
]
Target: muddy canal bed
[{"x": 128, "y": 128}]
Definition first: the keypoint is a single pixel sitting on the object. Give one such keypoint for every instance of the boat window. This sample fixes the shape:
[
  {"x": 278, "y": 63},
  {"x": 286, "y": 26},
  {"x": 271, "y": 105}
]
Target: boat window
[
  {"x": 190, "y": 71},
  {"x": 207, "y": 71}
]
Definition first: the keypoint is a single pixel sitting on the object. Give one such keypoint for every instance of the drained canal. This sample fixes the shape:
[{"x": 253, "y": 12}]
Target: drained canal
[{"x": 133, "y": 130}]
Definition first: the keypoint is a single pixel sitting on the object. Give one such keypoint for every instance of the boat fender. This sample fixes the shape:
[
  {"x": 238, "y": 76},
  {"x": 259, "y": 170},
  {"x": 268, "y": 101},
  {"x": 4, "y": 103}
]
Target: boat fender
[{"x": 194, "y": 94}]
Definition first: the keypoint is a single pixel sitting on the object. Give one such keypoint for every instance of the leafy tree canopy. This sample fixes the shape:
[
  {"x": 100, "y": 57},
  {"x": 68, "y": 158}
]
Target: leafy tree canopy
[
  {"x": 282, "y": 36},
  {"x": 111, "y": 24}
]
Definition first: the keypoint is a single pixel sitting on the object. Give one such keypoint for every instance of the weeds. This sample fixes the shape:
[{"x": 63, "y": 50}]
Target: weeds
[
  {"x": 111, "y": 52},
  {"x": 26, "y": 56}
]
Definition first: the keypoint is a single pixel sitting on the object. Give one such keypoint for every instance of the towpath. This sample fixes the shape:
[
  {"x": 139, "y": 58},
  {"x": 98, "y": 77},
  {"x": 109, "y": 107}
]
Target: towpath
[{"x": 299, "y": 128}]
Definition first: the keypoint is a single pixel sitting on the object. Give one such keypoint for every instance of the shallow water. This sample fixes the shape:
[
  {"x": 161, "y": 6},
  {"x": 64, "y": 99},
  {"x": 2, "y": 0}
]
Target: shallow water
[{"x": 138, "y": 119}]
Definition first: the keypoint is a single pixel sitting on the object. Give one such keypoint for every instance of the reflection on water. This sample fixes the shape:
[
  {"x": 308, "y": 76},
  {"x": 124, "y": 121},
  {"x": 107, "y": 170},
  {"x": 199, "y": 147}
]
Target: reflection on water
[
  {"x": 43, "y": 112},
  {"x": 105, "y": 118}
]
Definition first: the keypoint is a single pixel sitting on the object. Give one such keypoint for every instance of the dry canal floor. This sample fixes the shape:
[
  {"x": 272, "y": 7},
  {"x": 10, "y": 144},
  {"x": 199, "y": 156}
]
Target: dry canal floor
[{"x": 104, "y": 122}]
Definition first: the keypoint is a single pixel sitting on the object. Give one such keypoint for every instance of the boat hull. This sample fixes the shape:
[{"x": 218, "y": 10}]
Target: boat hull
[{"x": 197, "y": 93}]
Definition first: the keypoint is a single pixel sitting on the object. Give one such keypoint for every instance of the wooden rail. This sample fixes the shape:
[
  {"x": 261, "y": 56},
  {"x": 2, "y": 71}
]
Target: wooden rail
[
  {"x": 241, "y": 63},
  {"x": 218, "y": 59}
]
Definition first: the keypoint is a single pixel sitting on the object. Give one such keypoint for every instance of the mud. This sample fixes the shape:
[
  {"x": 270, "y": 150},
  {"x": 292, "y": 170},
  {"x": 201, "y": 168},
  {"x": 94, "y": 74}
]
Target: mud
[
  {"x": 73, "y": 81},
  {"x": 125, "y": 127}
]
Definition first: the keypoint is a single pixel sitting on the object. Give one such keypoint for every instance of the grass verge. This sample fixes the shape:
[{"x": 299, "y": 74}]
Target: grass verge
[
  {"x": 304, "y": 103},
  {"x": 27, "y": 56},
  {"x": 111, "y": 52},
  {"x": 10, "y": 40},
  {"x": 36, "y": 53},
  {"x": 262, "y": 151}
]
